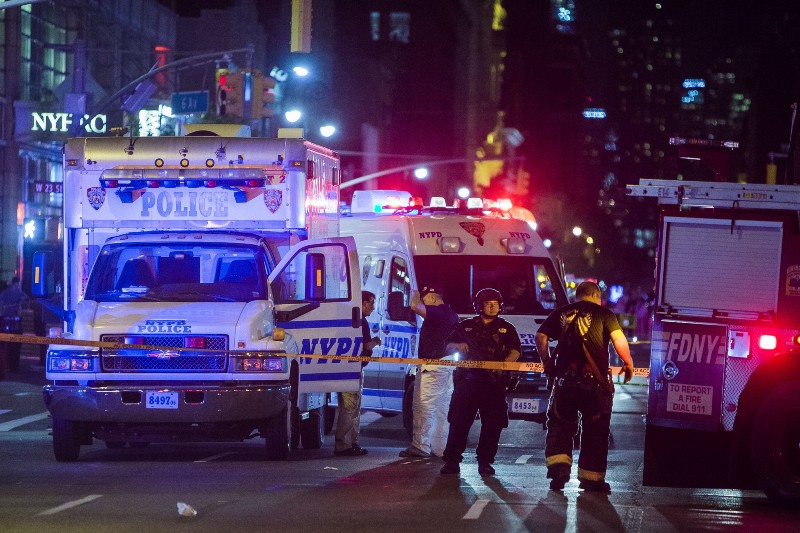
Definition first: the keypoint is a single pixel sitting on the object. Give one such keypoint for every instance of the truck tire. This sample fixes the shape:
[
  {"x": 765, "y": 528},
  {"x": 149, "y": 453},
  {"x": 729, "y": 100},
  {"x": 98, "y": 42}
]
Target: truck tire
[
  {"x": 276, "y": 436},
  {"x": 775, "y": 444},
  {"x": 408, "y": 409},
  {"x": 311, "y": 430},
  {"x": 66, "y": 440},
  {"x": 330, "y": 418},
  {"x": 294, "y": 427}
]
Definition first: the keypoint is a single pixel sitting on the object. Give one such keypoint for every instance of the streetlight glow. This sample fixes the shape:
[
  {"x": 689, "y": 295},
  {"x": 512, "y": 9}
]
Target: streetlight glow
[
  {"x": 547, "y": 243},
  {"x": 300, "y": 71},
  {"x": 421, "y": 173},
  {"x": 293, "y": 115},
  {"x": 463, "y": 192},
  {"x": 327, "y": 130},
  {"x": 576, "y": 230}
]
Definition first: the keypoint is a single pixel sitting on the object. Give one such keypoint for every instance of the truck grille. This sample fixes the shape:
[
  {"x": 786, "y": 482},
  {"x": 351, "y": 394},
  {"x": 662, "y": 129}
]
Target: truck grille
[{"x": 147, "y": 361}]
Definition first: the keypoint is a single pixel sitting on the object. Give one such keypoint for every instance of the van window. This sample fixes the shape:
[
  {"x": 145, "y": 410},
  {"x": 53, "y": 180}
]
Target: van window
[{"x": 399, "y": 280}]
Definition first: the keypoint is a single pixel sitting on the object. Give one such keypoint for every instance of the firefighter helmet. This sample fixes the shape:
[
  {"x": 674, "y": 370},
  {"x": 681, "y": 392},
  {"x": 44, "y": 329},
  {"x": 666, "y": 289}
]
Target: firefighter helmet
[{"x": 486, "y": 295}]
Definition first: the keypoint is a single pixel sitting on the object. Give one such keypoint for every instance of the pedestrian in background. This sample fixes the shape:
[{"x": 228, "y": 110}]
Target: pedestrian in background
[
  {"x": 12, "y": 300},
  {"x": 348, "y": 424},
  {"x": 433, "y": 383},
  {"x": 583, "y": 392},
  {"x": 485, "y": 337}
]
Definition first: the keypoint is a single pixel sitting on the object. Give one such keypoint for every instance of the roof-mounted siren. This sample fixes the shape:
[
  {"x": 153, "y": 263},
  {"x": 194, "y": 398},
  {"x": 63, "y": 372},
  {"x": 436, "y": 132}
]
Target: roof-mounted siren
[
  {"x": 438, "y": 201},
  {"x": 378, "y": 201}
]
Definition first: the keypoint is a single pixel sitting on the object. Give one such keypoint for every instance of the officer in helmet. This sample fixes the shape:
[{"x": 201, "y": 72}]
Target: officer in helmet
[{"x": 485, "y": 337}]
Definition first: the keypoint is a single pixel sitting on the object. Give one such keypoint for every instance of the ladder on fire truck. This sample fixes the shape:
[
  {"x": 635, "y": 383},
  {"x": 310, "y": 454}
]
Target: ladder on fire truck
[{"x": 715, "y": 194}]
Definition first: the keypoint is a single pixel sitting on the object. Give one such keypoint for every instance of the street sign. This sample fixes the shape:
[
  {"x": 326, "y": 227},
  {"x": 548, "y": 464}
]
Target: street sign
[{"x": 190, "y": 102}]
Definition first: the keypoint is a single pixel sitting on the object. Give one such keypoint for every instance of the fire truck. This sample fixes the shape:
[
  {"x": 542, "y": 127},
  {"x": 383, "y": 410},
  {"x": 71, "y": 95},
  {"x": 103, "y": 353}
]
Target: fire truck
[
  {"x": 463, "y": 246},
  {"x": 219, "y": 256},
  {"x": 724, "y": 390}
]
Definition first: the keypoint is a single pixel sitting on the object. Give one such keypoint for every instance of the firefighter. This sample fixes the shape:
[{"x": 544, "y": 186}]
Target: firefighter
[
  {"x": 485, "y": 337},
  {"x": 582, "y": 393}
]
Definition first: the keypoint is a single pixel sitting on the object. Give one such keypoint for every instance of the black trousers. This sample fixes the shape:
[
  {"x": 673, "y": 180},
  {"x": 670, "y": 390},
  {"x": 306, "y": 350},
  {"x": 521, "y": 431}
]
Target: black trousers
[
  {"x": 571, "y": 405},
  {"x": 470, "y": 396}
]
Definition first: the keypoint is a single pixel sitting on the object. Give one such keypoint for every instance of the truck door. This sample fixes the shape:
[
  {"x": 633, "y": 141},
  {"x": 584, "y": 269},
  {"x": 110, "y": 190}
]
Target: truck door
[
  {"x": 687, "y": 372},
  {"x": 398, "y": 332},
  {"x": 317, "y": 293}
]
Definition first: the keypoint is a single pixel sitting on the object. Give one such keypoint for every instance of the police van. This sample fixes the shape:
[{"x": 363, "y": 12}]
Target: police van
[
  {"x": 403, "y": 244},
  {"x": 204, "y": 265}
]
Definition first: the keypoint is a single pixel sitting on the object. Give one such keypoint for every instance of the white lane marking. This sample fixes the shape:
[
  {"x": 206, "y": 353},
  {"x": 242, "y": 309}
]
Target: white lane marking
[
  {"x": 623, "y": 396},
  {"x": 23, "y": 394},
  {"x": 476, "y": 510},
  {"x": 70, "y": 505},
  {"x": 4, "y": 411},
  {"x": 523, "y": 459},
  {"x": 8, "y": 426},
  {"x": 207, "y": 459}
]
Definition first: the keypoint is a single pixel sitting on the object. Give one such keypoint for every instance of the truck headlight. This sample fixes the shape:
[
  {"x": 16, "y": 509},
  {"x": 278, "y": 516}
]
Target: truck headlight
[
  {"x": 261, "y": 364},
  {"x": 66, "y": 362}
]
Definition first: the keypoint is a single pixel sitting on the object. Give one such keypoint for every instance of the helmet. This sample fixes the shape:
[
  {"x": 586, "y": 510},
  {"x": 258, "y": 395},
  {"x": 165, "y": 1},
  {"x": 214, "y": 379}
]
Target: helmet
[{"x": 486, "y": 295}]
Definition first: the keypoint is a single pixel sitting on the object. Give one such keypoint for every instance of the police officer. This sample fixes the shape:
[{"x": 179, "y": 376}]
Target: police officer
[
  {"x": 583, "y": 330},
  {"x": 485, "y": 337}
]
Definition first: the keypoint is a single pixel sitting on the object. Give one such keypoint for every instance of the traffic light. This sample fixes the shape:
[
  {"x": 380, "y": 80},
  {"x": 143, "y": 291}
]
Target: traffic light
[
  {"x": 230, "y": 93},
  {"x": 263, "y": 97}
]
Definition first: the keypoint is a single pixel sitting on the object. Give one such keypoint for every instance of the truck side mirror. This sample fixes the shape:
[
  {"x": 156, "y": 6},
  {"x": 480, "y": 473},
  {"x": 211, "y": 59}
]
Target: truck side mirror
[
  {"x": 42, "y": 275},
  {"x": 315, "y": 276},
  {"x": 395, "y": 306}
]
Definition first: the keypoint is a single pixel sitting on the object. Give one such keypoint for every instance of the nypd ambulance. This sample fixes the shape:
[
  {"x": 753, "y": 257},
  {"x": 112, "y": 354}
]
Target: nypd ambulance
[
  {"x": 403, "y": 245},
  {"x": 218, "y": 255}
]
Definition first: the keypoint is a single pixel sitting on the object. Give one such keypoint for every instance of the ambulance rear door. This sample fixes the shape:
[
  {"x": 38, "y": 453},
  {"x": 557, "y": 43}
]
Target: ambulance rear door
[{"x": 321, "y": 322}]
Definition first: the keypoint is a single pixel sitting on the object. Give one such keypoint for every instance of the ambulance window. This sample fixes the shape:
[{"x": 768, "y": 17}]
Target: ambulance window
[
  {"x": 366, "y": 268},
  {"x": 379, "y": 264},
  {"x": 399, "y": 280}
]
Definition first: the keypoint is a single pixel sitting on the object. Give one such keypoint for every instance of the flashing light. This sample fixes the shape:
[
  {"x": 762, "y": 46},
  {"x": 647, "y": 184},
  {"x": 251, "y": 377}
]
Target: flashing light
[
  {"x": 474, "y": 203},
  {"x": 194, "y": 342},
  {"x": 463, "y": 192},
  {"x": 327, "y": 130},
  {"x": 515, "y": 245},
  {"x": 577, "y": 231},
  {"x": 421, "y": 173},
  {"x": 504, "y": 204},
  {"x": 438, "y": 201},
  {"x": 211, "y": 183},
  {"x": 547, "y": 243},
  {"x": 416, "y": 202},
  {"x": 450, "y": 245},
  {"x": 767, "y": 342},
  {"x": 301, "y": 71}
]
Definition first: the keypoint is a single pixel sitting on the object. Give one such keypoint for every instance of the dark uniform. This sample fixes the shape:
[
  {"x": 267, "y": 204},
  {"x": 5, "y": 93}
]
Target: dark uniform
[
  {"x": 479, "y": 390},
  {"x": 575, "y": 392}
]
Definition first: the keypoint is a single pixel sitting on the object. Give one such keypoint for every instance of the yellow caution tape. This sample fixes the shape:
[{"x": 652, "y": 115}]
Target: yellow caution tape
[{"x": 485, "y": 365}]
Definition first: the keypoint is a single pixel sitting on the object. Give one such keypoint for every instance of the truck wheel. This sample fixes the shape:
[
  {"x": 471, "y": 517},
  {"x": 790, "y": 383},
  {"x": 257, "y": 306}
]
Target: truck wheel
[
  {"x": 276, "y": 436},
  {"x": 408, "y": 409},
  {"x": 775, "y": 444},
  {"x": 66, "y": 440},
  {"x": 330, "y": 418},
  {"x": 311, "y": 434}
]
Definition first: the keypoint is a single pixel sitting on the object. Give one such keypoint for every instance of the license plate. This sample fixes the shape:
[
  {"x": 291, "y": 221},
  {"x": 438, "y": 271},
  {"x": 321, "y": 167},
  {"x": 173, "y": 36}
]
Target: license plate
[
  {"x": 524, "y": 405},
  {"x": 161, "y": 400}
]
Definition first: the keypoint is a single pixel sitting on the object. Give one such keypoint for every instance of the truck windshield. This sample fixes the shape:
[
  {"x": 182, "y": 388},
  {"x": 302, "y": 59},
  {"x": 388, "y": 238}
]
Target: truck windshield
[
  {"x": 529, "y": 285},
  {"x": 172, "y": 272}
]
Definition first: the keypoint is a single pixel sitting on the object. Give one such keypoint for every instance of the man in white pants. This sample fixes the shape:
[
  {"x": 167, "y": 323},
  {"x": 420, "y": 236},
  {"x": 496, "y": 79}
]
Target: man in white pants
[{"x": 434, "y": 383}]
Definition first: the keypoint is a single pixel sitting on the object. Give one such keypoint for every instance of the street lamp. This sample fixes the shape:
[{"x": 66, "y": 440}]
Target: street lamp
[
  {"x": 327, "y": 130},
  {"x": 421, "y": 173},
  {"x": 293, "y": 115},
  {"x": 464, "y": 192}
]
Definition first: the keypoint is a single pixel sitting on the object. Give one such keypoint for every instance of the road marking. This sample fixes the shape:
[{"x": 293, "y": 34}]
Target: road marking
[
  {"x": 207, "y": 459},
  {"x": 4, "y": 411},
  {"x": 8, "y": 426},
  {"x": 623, "y": 396},
  {"x": 70, "y": 505},
  {"x": 523, "y": 459},
  {"x": 476, "y": 510}
]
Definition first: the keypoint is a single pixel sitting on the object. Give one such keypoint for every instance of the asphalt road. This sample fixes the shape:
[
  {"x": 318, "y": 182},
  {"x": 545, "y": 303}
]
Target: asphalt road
[{"x": 232, "y": 488}]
